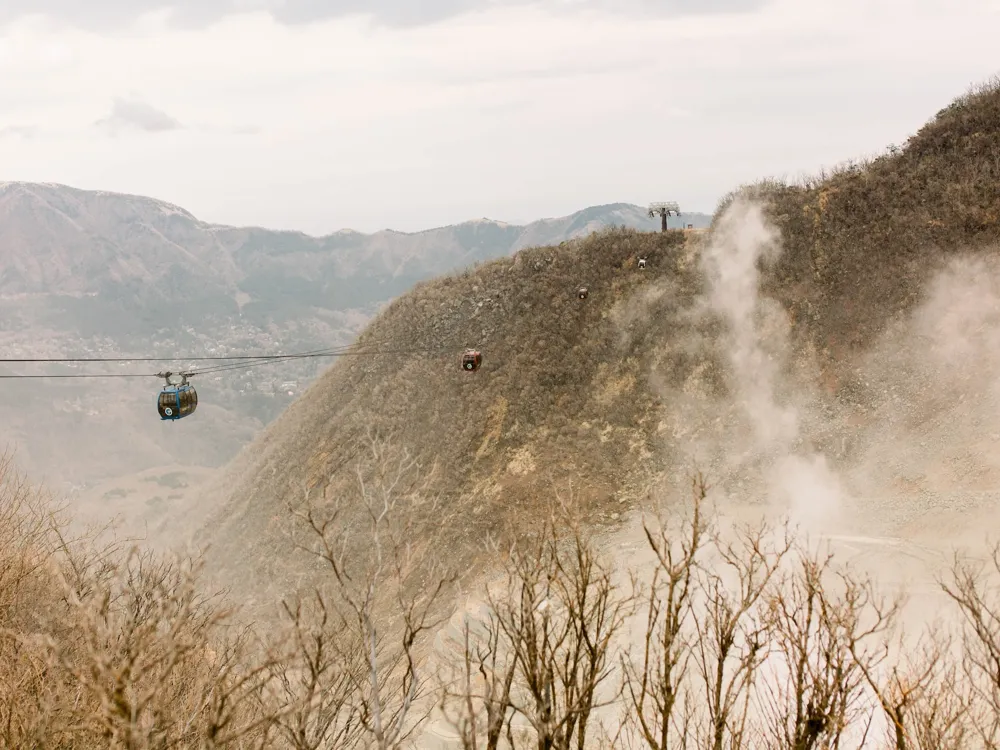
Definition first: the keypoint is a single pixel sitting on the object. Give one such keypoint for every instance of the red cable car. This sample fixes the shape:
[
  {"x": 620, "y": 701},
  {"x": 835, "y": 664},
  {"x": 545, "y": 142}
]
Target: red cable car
[{"x": 471, "y": 359}]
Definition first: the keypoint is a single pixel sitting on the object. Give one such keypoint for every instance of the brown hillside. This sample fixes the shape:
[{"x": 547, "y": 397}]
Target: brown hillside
[
  {"x": 860, "y": 243},
  {"x": 598, "y": 391},
  {"x": 561, "y": 394}
]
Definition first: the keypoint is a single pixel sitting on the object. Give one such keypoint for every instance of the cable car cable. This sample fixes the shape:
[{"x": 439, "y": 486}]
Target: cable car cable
[
  {"x": 56, "y": 360},
  {"x": 245, "y": 365},
  {"x": 180, "y": 400},
  {"x": 347, "y": 348},
  {"x": 243, "y": 362},
  {"x": 84, "y": 375}
]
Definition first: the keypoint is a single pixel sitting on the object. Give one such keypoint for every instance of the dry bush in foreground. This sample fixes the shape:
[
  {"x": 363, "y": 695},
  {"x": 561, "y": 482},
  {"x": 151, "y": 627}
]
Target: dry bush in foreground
[
  {"x": 748, "y": 640},
  {"x": 105, "y": 647},
  {"x": 545, "y": 665},
  {"x": 362, "y": 655},
  {"x": 754, "y": 643}
]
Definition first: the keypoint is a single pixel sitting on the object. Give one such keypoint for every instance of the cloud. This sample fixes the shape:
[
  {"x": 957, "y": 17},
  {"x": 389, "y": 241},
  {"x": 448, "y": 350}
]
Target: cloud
[
  {"x": 18, "y": 131},
  {"x": 518, "y": 111},
  {"x": 137, "y": 115},
  {"x": 109, "y": 14}
]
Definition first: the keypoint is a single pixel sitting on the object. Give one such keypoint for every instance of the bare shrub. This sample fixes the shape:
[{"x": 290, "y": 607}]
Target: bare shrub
[
  {"x": 821, "y": 637},
  {"x": 315, "y": 683},
  {"x": 655, "y": 685},
  {"x": 150, "y": 666},
  {"x": 925, "y": 701},
  {"x": 549, "y": 650},
  {"x": 732, "y": 635},
  {"x": 483, "y": 690},
  {"x": 27, "y": 588},
  {"x": 114, "y": 648},
  {"x": 383, "y": 602},
  {"x": 969, "y": 588}
]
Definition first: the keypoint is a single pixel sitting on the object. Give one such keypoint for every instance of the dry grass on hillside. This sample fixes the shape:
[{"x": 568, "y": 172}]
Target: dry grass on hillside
[
  {"x": 561, "y": 395},
  {"x": 861, "y": 240},
  {"x": 747, "y": 641},
  {"x": 565, "y": 390}
]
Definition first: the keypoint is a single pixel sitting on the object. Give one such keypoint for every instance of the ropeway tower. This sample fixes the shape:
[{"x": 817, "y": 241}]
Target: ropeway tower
[{"x": 664, "y": 209}]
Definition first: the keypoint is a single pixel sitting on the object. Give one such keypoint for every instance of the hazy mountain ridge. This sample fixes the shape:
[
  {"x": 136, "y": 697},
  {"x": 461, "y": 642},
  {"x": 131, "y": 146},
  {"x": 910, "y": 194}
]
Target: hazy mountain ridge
[
  {"x": 560, "y": 389},
  {"x": 134, "y": 261},
  {"x": 42, "y": 216},
  {"x": 98, "y": 273}
]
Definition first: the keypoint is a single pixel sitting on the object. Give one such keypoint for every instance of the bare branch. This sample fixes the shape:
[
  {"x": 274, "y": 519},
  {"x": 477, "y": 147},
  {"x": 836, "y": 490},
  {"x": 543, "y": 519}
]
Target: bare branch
[{"x": 655, "y": 685}]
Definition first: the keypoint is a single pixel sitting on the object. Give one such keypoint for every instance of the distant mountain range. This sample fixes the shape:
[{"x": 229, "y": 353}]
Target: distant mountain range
[
  {"x": 112, "y": 264},
  {"x": 85, "y": 272}
]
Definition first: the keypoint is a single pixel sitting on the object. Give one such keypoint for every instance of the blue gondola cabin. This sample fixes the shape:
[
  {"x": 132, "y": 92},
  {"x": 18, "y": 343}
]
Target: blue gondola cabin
[{"x": 177, "y": 401}]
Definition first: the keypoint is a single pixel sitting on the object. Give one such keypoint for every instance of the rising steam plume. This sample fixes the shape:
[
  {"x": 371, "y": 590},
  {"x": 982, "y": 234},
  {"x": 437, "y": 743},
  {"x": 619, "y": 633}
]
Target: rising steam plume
[{"x": 756, "y": 344}]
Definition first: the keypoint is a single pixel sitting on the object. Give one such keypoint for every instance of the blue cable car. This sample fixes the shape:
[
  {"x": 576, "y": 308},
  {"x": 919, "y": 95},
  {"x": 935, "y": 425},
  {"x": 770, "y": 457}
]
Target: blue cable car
[{"x": 176, "y": 400}]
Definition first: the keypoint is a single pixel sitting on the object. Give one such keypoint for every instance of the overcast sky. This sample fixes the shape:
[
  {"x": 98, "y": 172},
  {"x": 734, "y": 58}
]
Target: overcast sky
[{"x": 306, "y": 114}]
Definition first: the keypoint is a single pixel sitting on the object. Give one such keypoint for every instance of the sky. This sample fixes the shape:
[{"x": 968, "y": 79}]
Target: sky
[{"x": 319, "y": 115}]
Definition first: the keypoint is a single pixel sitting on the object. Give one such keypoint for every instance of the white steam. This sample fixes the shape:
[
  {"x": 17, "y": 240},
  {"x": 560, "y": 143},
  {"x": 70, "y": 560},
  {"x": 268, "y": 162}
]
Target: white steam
[
  {"x": 803, "y": 484},
  {"x": 931, "y": 435},
  {"x": 730, "y": 263}
]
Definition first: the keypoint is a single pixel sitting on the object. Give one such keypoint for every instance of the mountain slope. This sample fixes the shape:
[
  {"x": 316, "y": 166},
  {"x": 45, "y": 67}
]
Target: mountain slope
[
  {"x": 626, "y": 387},
  {"x": 559, "y": 389},
  {"x": 88, "y": 273},
  {"x": 862, "y": 244}
]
